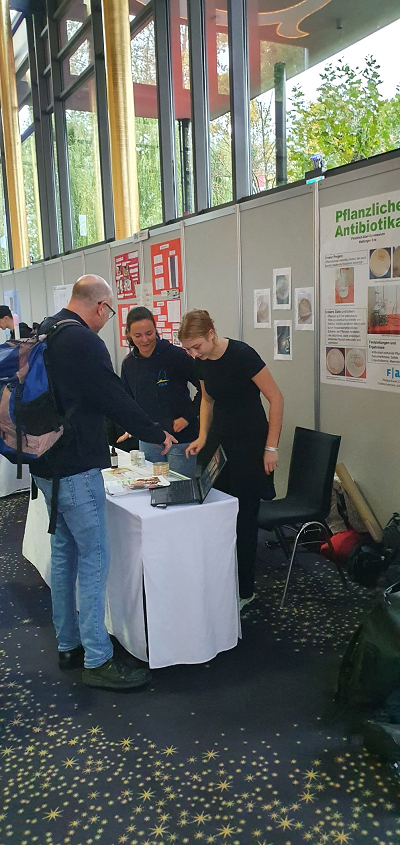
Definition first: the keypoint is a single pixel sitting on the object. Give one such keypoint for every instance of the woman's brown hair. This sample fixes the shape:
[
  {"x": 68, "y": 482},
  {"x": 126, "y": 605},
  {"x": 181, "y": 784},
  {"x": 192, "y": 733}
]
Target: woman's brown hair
[{"x": 195, "y": 323}]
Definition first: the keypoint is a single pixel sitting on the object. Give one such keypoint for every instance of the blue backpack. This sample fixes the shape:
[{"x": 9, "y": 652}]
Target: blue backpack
[{"x": 30, "y": 423}]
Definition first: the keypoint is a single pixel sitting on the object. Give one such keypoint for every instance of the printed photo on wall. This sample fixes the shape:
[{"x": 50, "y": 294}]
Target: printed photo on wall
[
  {"x": 282, "y": 340},
  {"x": 304, "y": 309},
  {"x": 282, "y": 288},
  {"x": 262, "y": 309}
]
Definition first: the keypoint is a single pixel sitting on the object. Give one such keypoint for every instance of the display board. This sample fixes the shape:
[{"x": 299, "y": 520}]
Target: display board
[
  {"x": 37, "y": 292},
  {"x": 277, "y": 237},
  {"x": 360, "y": 293},
  {"x": 211, "y": 269},
  {"x": 98, "y": 261},
  {"x": 366, "y": 418}
]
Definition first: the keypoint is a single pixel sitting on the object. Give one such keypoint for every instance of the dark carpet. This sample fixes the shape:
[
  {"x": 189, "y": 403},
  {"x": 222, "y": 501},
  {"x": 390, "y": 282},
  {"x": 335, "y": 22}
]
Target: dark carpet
[{"x": 236, "y": 751}]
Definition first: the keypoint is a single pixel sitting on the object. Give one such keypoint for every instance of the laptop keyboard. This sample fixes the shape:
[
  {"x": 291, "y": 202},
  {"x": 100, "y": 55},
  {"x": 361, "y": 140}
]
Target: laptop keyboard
[{"x": 179, "y": 490}]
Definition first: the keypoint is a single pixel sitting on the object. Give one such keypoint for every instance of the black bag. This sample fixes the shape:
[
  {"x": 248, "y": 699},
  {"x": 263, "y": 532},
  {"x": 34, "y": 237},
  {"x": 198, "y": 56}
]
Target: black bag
[
  {"x": 368, "y": 561},
  {"x": 370, "y": 668}
]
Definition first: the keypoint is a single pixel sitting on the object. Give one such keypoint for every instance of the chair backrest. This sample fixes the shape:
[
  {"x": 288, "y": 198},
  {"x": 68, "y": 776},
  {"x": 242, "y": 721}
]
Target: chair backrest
[{"x": 312, "y": 467}]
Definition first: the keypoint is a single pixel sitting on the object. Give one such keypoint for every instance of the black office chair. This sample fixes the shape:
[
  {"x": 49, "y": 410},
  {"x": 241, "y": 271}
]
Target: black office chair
[{"x": 308, "y": 499}]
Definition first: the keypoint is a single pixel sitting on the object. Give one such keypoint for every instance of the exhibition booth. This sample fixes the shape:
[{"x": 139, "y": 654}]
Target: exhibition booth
[{"x": 309, "y": 276}]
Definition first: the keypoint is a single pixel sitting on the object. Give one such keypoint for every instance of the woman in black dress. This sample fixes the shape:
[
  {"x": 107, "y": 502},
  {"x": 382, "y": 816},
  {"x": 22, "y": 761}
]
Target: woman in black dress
[{"x": 232, "y": 375}]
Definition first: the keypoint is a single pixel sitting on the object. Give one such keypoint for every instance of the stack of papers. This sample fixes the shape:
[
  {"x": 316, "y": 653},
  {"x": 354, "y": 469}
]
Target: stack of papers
[{"x": 119, "y": 482}]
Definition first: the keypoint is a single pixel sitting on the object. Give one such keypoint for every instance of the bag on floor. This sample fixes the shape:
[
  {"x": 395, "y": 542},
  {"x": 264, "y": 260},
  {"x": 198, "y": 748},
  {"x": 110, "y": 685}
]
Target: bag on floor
[
  {"x": 370, "y": 669},
  {"x": 30, "y": 423},
  {"x": 368, "y": 560}
]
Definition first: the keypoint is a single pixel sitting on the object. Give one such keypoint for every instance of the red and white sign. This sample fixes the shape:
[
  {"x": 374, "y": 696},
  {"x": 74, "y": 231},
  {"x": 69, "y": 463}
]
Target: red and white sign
[
  {"x": 123, "y": 311},
  {"x": 167, "y": 314},
  {"x": 127, "y": 275},
  {"x": 166, "y": 266}
]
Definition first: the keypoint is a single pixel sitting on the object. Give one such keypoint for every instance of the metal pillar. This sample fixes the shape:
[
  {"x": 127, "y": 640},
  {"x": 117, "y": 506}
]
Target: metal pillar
[
  {"x": 240, "y": 97},
  {"x": 166, "y": 119},
  {"x": 280, "y": 123},
  {"x": 200, "y": 105},
  {"x": 121, "y": 112}
]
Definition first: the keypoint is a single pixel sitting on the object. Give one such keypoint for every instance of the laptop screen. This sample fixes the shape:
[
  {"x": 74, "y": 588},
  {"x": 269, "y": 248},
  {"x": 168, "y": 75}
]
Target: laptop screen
[{"x": 211, "y": 472}]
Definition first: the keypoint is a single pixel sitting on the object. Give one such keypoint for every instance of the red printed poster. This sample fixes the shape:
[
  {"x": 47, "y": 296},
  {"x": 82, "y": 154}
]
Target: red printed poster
[
  {"x": 167, "y": 314},
  {"x": 127, "y": 274},
  {"x": 166, "y": 266},
  {"x": 123, "y": 311}
]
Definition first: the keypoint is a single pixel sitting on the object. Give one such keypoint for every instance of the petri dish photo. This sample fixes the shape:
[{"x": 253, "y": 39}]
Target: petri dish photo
[
  {"x": 379, "y": 262},
  {"x": 396, "y": 262},
  {"x": 335, "y": 361},
  {"x": 355, "y": 362}
]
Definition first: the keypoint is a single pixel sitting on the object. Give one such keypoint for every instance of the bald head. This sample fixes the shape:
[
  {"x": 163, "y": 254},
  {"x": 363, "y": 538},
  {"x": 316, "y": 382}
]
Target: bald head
[
  {"x": 91, "y": 289},
  {"x": 92, "y": 300}
]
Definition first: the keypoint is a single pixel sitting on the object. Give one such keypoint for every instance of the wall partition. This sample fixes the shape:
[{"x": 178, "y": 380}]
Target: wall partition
[{"x": 252, "y": 268}]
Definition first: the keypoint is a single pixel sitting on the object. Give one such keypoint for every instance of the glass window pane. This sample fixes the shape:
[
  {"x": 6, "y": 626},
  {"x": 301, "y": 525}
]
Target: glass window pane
[
  {"x": 59, "y": 225},
  {"x": 342, "y": 89},
  {"x": 266, "y": 50},
  {"x": 32, "y": 198},
  {"x": 143, "y": 62},
  {"x": 183, "y": 122},
  {"x": 4, "y": 260},
  {"x": 78, "y": 62},
  {"x": 84, "y": 166},
  {"x": 73, "y": 20},
  {"x": 220, "y": 115}
]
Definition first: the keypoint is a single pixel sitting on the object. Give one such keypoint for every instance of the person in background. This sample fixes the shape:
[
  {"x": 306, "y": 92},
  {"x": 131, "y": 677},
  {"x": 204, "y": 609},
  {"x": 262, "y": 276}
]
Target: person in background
[
  {"x": 232, "y": 375},
  {"x": 86, "y": 387},
  {"x": 6, "y": 322},
  {"x": 156, "y": 375}
]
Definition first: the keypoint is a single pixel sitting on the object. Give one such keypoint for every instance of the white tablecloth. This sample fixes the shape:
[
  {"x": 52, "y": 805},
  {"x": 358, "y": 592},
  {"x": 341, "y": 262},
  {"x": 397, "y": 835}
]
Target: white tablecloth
[
  {"x": 185, "y": 556},
  {"x": 9, "y": 483}
]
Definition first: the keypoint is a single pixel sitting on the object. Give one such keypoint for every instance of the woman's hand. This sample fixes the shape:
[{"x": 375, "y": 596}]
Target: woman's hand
[
  {"x": 123, "y": 437},
  {"x": 270, "y": 461},
  {"x": 168, "y": 442},
  {"x": 195, "y": 447},
  {"x": 179, "y": 424}
]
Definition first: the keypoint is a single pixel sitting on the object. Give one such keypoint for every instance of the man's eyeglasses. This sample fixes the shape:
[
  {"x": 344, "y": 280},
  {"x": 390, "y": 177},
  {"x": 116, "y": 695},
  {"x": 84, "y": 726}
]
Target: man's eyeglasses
[{"x": 111, "y": 310}]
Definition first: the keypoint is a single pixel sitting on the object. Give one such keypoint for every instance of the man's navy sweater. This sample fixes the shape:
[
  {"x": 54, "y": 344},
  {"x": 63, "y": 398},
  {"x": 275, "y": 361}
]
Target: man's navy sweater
[
  {"x": 160, "y": 385},
  {"x": 83, "y": 378}
]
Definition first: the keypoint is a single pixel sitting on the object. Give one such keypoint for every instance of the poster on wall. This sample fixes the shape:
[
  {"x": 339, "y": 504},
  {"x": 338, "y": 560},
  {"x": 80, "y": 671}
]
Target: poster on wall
[
  {"x": 123, "y": 311},
  {"x": 167, "y": 314},
  {"x": 282, "y": 288},
  {"x": 282, "y": 340},
  {"x": 262, "y": 309},
  {"x": 127, "y": 276},
  {"x": 166, "y": 267},
  {"x": 61, "y": 296},
  {"x": 360, "y": 293},
  {"x": 304, "y": 309}
]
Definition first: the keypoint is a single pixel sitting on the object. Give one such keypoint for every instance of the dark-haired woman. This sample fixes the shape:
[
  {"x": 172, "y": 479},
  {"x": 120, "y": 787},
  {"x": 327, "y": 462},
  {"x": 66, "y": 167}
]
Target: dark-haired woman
[{"x": 156, "y": 374}]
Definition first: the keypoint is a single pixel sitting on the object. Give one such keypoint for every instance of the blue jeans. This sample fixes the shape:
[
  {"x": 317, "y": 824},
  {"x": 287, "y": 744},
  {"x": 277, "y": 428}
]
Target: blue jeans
[
  {"x": 79, "y": 548},
  {"x": 178, "y": 462}
]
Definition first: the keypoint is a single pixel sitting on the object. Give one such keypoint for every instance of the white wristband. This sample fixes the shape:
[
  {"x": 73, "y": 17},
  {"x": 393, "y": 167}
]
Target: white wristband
[{"x": 270, "y": 449}]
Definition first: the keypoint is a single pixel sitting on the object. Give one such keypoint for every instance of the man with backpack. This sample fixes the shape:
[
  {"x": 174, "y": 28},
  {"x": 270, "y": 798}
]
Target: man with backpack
[{"x": 86, "y": 390}]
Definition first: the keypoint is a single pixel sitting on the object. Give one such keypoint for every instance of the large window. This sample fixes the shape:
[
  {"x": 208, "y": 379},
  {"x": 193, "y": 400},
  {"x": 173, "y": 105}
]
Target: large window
[
  {"x": 73, "y": 20},
  {"x": 84, "y": 166},
  {"x": 32, "y": 198},
  {"x": 220, "y": 115},
  {"x": 143, "y": 61}
]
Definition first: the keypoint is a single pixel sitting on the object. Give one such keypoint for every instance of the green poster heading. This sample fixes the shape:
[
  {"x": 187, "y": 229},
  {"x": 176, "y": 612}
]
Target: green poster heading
[{"x": 381, "y": 210}]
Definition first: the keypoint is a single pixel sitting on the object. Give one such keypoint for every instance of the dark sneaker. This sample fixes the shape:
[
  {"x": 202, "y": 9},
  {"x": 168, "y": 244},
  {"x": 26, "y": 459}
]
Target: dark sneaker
[
  {"x": 71, "y": 659},
  {"x": 116, "y": 675}
]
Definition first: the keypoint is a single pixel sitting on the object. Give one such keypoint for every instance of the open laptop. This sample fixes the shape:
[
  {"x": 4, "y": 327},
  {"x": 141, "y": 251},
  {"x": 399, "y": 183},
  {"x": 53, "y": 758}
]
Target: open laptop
[{"x": 194, "y": 489}]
